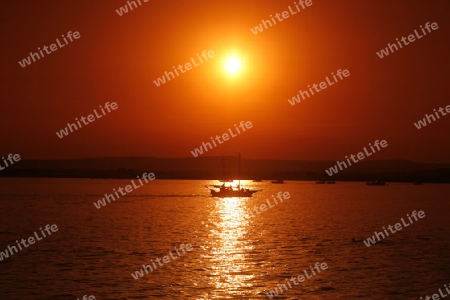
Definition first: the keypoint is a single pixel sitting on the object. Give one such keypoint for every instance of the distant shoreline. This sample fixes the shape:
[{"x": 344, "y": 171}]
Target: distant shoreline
[
  {"x": 219, "y": 168},
  {"x": 202, "y": 179}
]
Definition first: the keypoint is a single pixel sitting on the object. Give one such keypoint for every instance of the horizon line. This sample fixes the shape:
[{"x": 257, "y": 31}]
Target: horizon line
[{"x": 227, "y": 156}]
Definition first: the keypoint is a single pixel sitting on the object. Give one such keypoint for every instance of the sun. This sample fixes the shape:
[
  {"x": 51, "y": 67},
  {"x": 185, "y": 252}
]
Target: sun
[{"x": 233, "y": 65}]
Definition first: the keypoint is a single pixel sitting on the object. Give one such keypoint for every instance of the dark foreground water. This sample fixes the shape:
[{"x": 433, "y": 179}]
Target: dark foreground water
[{"x": 234, "y": 255}]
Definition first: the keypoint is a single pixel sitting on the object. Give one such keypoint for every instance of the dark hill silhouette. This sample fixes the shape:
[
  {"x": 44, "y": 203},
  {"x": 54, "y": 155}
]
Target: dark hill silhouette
[{"x": 227, "y": 167}]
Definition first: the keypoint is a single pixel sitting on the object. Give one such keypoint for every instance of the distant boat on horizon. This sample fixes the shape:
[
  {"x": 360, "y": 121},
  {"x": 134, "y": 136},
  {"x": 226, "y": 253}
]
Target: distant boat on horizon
[
  {"x": 376, "y": 183},
  {"x": 325, "y": 182},
  {"x": 278, "y": 181},
  {"x": 417, "y": 182},
  {"x": 257, "y": 180}
]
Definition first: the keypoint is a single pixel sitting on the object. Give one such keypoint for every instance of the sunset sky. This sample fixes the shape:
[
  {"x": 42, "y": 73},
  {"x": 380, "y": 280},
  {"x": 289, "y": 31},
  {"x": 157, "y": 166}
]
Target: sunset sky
[{"x": 117, "y": 59}]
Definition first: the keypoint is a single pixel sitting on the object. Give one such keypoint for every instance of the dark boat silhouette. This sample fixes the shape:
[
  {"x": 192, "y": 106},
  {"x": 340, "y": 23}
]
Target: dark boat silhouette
[
  {"x": 223, "y": 191},
  {"x": 278, "y": 181},
  {"x": 377, "y": 183}
]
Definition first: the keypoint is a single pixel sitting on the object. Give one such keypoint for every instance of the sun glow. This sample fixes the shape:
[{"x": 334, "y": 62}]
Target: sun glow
[{"x": 233, "y": 65}]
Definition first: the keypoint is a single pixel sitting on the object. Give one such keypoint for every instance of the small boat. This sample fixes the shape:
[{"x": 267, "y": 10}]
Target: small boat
[
  {"x": 377, "y": 183},
  {"x": 226, "y": 180},
  {"x": 320, "y": 182},
  {"x": 278, "y": 181},
  {"x": 417, "y": 182},
  {"x": 331, "y": 182},
  {"x": 223, "y": 191},
  {"x": 257, "y": 180}
]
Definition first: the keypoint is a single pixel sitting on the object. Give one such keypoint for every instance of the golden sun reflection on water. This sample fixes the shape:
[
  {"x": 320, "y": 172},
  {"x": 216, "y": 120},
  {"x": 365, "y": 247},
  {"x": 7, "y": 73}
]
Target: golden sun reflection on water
[{"x": 230, "y": 249}]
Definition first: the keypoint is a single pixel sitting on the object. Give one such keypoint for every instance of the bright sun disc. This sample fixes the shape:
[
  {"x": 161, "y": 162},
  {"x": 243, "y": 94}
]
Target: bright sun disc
[{"x": 233, "y": 65}]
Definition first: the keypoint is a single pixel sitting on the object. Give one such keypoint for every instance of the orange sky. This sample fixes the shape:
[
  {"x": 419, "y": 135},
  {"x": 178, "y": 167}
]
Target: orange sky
[{"x": 118, "y": 57}]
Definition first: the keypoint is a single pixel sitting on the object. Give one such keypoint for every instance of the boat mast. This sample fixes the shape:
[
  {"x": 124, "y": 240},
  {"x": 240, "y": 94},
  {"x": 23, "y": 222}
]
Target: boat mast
[
  {"x": 239, "y": 171},
  {"x": 223, "y": 168}
]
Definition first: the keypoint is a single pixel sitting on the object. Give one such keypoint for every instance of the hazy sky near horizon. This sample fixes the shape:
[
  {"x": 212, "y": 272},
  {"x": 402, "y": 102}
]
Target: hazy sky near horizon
[{"x": 117, "y": 58}]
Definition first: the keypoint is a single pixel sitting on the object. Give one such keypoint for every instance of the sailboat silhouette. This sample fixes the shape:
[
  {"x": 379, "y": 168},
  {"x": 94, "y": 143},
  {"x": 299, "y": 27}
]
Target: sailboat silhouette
[{"x": 224, "y": 191}]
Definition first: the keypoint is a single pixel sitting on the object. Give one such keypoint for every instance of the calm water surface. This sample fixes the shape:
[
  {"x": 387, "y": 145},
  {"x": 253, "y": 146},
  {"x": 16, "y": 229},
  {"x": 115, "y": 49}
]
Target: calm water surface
[{"x": 235, "y": 255}]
